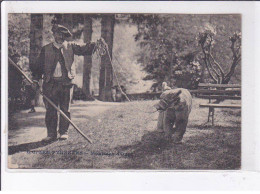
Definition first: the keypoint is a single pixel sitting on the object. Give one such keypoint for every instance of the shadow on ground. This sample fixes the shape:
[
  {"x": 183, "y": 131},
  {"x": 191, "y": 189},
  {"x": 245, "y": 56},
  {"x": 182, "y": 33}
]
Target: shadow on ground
[
  {"x": 205, "y": 150},
  {"x": 142, "y": 153},
  {"x": 25, "y": 120},
  {"x": 26, "y": 147}
]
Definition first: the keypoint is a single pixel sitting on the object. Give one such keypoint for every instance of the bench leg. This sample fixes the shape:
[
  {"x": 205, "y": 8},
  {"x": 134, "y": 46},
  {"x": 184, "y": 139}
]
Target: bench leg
[
  {"x": 209, "y": 114},
  {"x": 212, "y": 116}
]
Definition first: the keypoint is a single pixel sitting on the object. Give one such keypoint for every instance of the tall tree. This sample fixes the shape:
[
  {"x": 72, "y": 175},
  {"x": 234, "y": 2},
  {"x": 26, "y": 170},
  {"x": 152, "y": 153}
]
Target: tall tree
[
  {"x": 67, "y": 21},
  {"x": 87, "y": 33},
  {"x": 170, "y": 49},
  {"x": 215, "y": 70},
  {"x": 35, "y": 37},
  {"x": 36, "y": 30},
  {"x": 70, "y": 21},
  {"x": 106, "y": 71}
]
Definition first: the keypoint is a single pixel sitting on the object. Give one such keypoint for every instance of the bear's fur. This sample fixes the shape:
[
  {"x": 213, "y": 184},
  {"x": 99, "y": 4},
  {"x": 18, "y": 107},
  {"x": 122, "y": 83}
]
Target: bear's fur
[{"x": 177, "y": 113}]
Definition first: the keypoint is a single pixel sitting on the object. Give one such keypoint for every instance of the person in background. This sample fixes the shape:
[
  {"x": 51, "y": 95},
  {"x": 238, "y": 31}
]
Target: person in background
[
  {"x": 113, "y": 90},
  {"x": 31, "y": 93}
]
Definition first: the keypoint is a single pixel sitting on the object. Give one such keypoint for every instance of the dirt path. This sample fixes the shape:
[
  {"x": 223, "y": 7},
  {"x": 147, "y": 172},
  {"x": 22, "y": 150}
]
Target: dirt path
[{"x": 30, "y": 129}]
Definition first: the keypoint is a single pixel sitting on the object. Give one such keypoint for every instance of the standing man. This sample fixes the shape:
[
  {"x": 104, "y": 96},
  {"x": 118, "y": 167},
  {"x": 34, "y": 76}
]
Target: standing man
[{"x": 55, "y": 64}]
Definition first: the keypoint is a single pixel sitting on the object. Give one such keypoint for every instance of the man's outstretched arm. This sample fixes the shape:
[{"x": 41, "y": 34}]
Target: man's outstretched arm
[{"x": 86, "y": 49}]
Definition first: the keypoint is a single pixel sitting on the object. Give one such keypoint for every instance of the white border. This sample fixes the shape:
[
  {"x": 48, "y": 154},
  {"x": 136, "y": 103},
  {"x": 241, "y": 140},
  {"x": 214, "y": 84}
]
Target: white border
[{"x": 150, "y": 180}]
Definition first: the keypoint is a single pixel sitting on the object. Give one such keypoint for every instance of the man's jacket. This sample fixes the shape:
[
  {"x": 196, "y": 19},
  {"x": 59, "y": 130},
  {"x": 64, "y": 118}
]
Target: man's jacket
[{"x": 45, "y": 64}]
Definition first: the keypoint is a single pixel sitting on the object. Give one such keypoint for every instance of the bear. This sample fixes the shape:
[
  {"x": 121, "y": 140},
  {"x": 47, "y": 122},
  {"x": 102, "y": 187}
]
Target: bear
[{"x": 174, "y": 107}]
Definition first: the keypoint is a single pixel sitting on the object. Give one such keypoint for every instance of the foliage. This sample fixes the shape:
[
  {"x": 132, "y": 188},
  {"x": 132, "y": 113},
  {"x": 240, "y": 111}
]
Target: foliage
[
  {"x": 124, "y": 51},
  {"x": 168, "y": 43},
  {"x": 18, "y": 51},
  {"x": 187, "y": 74},
  {"x": 18, "y": 34},
  {"x": 166, "y": 46},
  {"x": 47, "y": 36},
  {"x": 215, "y": 70}
]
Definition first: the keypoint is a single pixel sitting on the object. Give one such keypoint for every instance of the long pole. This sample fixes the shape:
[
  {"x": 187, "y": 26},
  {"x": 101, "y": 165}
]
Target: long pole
[{"x": 49, "y": 101}]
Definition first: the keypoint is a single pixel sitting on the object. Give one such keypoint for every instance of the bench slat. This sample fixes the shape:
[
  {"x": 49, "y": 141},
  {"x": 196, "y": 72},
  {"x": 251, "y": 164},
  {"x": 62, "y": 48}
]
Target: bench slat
[
  {"x": 223, "y": 92},
  {"x": 220, "y": 85},
  {"x": 220, "y": 97},
  {"x": 221, "y": 105}
]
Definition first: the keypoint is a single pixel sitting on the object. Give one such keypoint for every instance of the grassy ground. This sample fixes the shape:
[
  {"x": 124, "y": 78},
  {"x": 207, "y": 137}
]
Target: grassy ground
[{"x": 125, "y": 137}]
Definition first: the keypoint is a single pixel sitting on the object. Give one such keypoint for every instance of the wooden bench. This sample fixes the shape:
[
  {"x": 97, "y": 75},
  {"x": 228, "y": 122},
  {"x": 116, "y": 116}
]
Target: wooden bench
[
  {"x": 219, "y": 92},
  {"x": 213, "y": 106}
]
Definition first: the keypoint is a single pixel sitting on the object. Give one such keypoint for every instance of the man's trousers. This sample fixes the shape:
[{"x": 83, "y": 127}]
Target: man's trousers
[{"x": 60, "y": 95}]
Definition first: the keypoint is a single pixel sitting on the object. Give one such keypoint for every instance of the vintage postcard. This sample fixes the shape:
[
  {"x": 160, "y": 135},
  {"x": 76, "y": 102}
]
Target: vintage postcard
[{"x": 126, "y": 89}]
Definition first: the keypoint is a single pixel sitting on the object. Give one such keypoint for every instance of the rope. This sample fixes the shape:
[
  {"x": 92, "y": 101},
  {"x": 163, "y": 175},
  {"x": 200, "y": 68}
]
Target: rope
[
  {"x": 151, "y": 112},
  {"x": 116, "y": 75},
  {"x": 99, "y": 49},
  {"x": 118, "y": 62}
]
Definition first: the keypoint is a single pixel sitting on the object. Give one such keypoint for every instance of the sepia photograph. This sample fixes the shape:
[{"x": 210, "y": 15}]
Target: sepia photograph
[{"x": 137, "y": 91}]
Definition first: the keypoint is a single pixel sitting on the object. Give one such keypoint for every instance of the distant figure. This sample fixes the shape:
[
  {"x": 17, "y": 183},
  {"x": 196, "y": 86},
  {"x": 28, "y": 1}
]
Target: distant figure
[
  {"x": 15, "y": 81},
  {"x": 113, "y": 90},
  {"x": 31, "y": 93},
  {"x": 71, "y": 94},
  {"x": 117, "y": 94}
]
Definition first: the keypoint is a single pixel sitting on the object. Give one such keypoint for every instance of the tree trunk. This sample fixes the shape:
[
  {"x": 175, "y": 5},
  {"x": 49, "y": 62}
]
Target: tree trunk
[
  {"x": 87, "y": 33},
  {"x": 106, "y": 71},
  {"x": 36, "y": 29},
  {"x": 67, "y": 21},
  {"x": 202, "y": 77}
]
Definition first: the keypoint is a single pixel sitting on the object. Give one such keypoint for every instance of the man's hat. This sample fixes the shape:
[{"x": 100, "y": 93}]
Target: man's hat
[{"x": 62, "y": 29}]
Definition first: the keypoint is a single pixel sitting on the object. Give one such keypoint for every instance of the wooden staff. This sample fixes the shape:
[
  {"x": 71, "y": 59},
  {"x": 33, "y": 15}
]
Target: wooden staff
[{"x": 51, "y": 103}]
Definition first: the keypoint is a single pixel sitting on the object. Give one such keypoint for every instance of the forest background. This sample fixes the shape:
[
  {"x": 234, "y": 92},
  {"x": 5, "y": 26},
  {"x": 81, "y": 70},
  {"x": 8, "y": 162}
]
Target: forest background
[{"x": 147, "y": 49}]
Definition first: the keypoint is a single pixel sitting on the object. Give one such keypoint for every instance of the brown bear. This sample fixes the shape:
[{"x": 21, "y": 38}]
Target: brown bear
[{"x": 174, "y": 107}]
